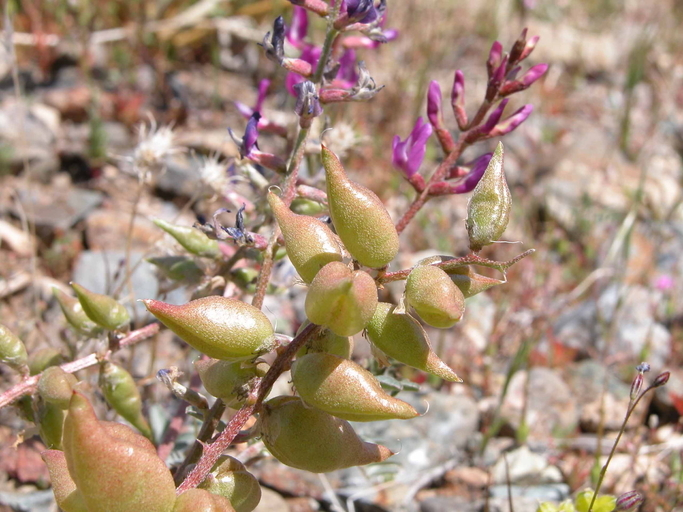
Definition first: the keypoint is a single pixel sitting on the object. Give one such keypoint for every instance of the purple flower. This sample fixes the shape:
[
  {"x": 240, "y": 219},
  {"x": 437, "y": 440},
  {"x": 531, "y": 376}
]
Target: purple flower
[
  {"x": 434, "y": 104},
  {"x": 510, "y": 123},
  {"x": 250, "y": 135},
  {"x": 534, "y": 73},
  {"x": 347, "y": 75},
  {"x": 310, "y": 54},
  {"x": 664, "y": 282},
  {"x": 495, "y": 56},
  {"x": 297, "y": 31},
  {"x": 409, "y": 154},
  {"x": 494, "y": 117},
  {"x": 477, "y": 168},
  {"x": 458, "y": 99},
  {"x": 307, "y": 103},
  {"x": 360, "y": 11}
]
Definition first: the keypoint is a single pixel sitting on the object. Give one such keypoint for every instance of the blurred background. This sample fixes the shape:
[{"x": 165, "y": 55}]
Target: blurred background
[{"x": 595, "y": 175}]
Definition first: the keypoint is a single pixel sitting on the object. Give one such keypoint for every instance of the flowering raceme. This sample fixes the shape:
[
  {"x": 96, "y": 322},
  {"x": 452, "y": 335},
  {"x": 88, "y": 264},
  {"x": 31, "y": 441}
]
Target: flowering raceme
[{"x": 409, "y": 154}]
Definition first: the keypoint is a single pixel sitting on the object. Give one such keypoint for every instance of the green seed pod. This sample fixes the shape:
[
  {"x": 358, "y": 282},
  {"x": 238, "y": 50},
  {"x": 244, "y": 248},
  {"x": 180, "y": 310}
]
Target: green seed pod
[
  {"x": 200, "y": 500},
  {"x": 102, "y": 309},
  {"x": 346, "y": 390},
  {"x": 359, "y": 217},
  {"x": 56, "y": 386},
  {"x": 178, "y": 268},
  {"x": 471, "y": 283},
  {"x": 44, "y": 358},
  {"x": 113, "y": 475},
  {"x": 328, "y": 342},
  {"x": 245, "y": 278},
  {"x": 306, "y": 438},
  {"x": 488, "y": 210},
  {"x": 307, "y": 207},
  {"x": 400, "y": 336},
  {"x": 192, "y": 240},
  {"x": 50, "y": 420},
  {"x": 67, "y": 496},
  {"x": 231, "y": 480},
  {"x": 227, "y": 380},
  {"x": 435, "y": 298},
  {"x": 341, "y": 299},
  {"x": 309, "y": 242},
  {"x": 121, "y": 393},
  {"x": 219, "y": 327},
  {"x": 12, "y": 350},
  {"x": 74, "y": 314}
]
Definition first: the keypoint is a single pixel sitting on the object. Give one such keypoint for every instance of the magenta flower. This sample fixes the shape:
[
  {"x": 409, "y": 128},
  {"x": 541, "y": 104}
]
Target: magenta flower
[
  {"x": 512, "y": 122},
  {"x": 298, "y": 29},
  {"x": 310, "y": 54},
  {"x": 477, "y": 168},
  {"x": 250, "y": 135},
  {"x": 434, "y": 104},
  {"x": 409, "y": 154}
]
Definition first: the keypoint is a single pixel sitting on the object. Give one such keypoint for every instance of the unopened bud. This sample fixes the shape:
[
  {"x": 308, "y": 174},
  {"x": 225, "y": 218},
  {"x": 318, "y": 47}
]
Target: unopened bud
[
  {"x": 495, "y": 56},
  {"x": 636, "y": 386},
  {"x": 192, "y": 240},
  {"x": 275, "y": 45},
  {"x": 12, "y": 350},
  {"x": 307, "y": 103},
  {"x": 661, "y": 379},
  {"x": 629, "y": 501},
  {"x": 458, "y": 99}
]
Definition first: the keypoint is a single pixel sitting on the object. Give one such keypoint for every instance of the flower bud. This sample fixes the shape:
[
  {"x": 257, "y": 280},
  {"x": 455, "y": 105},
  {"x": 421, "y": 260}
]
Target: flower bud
[
  {"x": 629, "y": 502},
  {"x": 200, "y": 500},
  {"x": 636, "y": 386},
  {"x": 50, "y": 420},
  {"x": 434, "y": 296},
  {"x": 346, "y": 390},
  {"x": 471, "y": 283},
  {"x": 192, "y": 240},
  {"x": 512, "y": 122},
  {"x": 56, "y": 386},
  {"x": 341, "y": 299},
  {"x": 327, "y": 342},
  {"x": 458, "y": 100},
  {"x": 67, "y": 496},
  {"x": 219, "y": 327},
  {"x": 359, "y": 217},
  {"x": 12, "y": 350},
  {"x": 661, "y": 379},
  {"x": 74, "y": 314},
  {"x": 44, "y": 358},
  {"x": 400, "y": 336},
  {"x": 306, "y": 438},
  {"x": 310, "y": 243},
  {"x": 113, "y": 474},
  {"x": 231, "y": 480},
  {"x": 178, "y": 268},
  {"x": 101, "y": 309},
  {"x": 488, "y": 211},
  {"x": 121, "y": 393},
  {"x": 227, "y": 380}
]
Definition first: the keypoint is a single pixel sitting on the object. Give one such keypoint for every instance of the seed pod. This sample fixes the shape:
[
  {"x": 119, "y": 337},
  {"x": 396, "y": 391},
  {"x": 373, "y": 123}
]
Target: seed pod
[
  {"x": 471, "y": 283},
  {"x": 67, "y": 496},
  {"x": 200, "y": 500},
  {"x": 327, "y": 342},
  {"x": 245, "y": 278},
  {"x": 341, "y": 299},
  {"x": 230, "y": 479},
  {"x": 219, "y": 327},
  {"x": 488, "y": 210},
  {"x": 12, "y": 350},
  {"x": 192, "y": 240},
  {"x": 50, "y": 420},
  {"x": 74, "y": 314},
  {"x": 400, "y": 336},
  {"x": 227, "y": 380},
  {"x": 112, "y": 474},
  {"x": 345, "y": 390},
  {"x": 435, "y": 298},
  {"x": 101, "y": 309},
  {"x": 44, "y": 358},
  {"x": 56, "y": 386},
  {"x": 306, "y": 438},
  {"x": 178, "y": 268},
  {"x": 310, "y": 243},
  {"x": 127, "y": 434},
  {"x": 121, "y": 393},
  {"x": 359, "y": 217},
  {"x": 304, "y": 206}
]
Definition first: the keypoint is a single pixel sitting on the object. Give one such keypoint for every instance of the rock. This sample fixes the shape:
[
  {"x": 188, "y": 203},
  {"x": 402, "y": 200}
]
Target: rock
[
  {"x": 477, "y": 322},
  {"x": 548, "y": 492},
  {"x": 525, "y": 467},
  {"x": 271, "y": 502},
  {"x": 450, "y": 504},
  {"x": 107, "y": 230},
  {"x": 38, "y": 501},
  {"x": 289, "y": 481}
]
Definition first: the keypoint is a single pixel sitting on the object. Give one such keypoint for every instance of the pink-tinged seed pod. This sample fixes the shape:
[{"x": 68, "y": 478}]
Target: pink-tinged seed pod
[
  {"x": 219, "y": 327},
  {"x": 50, "y": 420},
  {"x": 435, "y": 298},
  {"x": 228, "y": 380},
  {"x": 122, "y": 394},
  {"x": 471, "y": 283},
  {"x": 346, "y": 390},
  {"x": 43, "y": 358},
  {"x": 125, "y": 433},
  {"x": 306, "y": 438},
  {"x": 309, "y": 242},
  {"x": 327, "y": 342},
  {"x": 341, "y": 299},
  {"x": 67, "y": 496},
  {"x": 74, "y": 314},
  {"x": 400, "y": 336},
  {"x": 192, "y": 240},
  {"x": 358, "y": 215},
  {"x": 113, "y": 475},
  {"x": 101, "y": 309},
  {"x": 12, "y": 350},
  {"x": 56, "y": 386},
  {"x": 230, "y": 479},
  {"x": 200, "y": 500}
]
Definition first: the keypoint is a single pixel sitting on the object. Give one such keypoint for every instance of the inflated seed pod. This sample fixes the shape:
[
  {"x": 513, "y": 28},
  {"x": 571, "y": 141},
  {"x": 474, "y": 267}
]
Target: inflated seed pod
[
  {"x": 309, "y": 242},
  {"x": 230, "y": 479},
  {"x": 121, "y": 393},
  {"x": 74, "y": 314},
  {"x": 192, "y": 240},
  {"x": 359, "y": 217},
  {"x": 50, "y": 420},
  {"x": 328, "y": 342},
  {"x": 43, "y": 358},
  {"x": 341, "y": 299},
  {"x": 112, "y": 474},
  {"x": 304, "y": 206},
  {"x": 201, "y": 500},
  {"x": 228, "y": 380},
  {"x": 102, "y": 309},
  {"x": 245, "y": 278},
  {"x": 471, "y": 283},
  {"x": 434, "y": 296},
  {"x": 12, "y": 350},
  {"x": 56, "y": 386},
  {"x": 219, "y": 327},
  {"x": 345, "y": 390},
  {"x": 400, "y": 336},
  {"x": 125, "y": 433},
  {"x": 307, "y": 438},
  {"x": 178, "y": 268},
  {"x": 67, "y": 496},
  {"x": 488, "y": 210}
]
